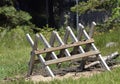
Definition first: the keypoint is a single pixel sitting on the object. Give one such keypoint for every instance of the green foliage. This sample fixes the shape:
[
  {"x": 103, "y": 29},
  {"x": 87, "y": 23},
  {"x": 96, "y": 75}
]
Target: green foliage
[
  {"x": 112, "y": 22},
  {"x": 86, "y": 6},
  {"x": 15, "y": 36},
  {"x": 108, "y": 6},
  {"x": 102, "y": 38},
  {"x": 116, "y": 13},
  {"x": 46, "y": 30},
  {"x": 94, "y": 5},
  {"x": 10, "y": 17}
]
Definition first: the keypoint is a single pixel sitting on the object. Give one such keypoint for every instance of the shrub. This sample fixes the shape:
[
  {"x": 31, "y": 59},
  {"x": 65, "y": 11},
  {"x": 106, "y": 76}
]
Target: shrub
[{"x": 10, "y": 17}]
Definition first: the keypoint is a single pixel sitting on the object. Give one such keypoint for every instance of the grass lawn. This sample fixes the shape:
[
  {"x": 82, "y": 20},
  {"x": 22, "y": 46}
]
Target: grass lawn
[{"x": 14, "y": 57}]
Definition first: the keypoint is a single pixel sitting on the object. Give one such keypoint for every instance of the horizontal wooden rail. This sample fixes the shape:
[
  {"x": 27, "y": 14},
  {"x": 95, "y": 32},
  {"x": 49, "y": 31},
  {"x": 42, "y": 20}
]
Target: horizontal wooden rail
[
  {"x": 64, "y": 46},
  {"x": 73, "y": 57}
]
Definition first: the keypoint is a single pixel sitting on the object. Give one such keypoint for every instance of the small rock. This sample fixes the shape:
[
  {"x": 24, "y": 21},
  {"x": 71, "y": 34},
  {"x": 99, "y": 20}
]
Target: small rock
[{"x": 111, "y": 44}]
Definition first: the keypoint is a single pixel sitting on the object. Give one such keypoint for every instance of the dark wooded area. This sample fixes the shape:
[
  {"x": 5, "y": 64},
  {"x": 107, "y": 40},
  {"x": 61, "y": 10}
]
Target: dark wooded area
[{"x": 58, "y": 13}]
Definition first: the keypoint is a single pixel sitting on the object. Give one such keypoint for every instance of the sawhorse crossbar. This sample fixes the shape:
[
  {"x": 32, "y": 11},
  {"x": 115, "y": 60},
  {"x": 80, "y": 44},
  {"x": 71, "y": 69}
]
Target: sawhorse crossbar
[{"x": 64, "y": 55}]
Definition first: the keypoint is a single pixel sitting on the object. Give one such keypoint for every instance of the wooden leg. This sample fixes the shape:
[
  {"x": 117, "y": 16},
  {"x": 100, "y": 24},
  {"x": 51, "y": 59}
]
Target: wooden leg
[
  {"x": 31, "y": 64},
  {"x": 103, "y": 62}
]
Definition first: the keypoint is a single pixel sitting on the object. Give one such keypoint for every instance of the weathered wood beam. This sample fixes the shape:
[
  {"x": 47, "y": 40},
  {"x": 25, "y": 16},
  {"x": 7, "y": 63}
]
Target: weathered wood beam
[
  {"x": 73, "y": 57},
  {"x": 64, "y": 46},
  {"x": 91, "y": 31}
]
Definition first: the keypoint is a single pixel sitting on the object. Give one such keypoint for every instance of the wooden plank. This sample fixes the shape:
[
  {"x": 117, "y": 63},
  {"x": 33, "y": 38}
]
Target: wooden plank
[
  {"x": 90, "y": 53},
  {"x": 64, "y": 46}
]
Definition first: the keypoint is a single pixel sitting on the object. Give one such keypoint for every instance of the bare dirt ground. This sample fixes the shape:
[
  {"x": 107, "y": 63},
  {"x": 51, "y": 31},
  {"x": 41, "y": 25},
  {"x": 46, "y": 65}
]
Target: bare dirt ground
[
  {"x": 68, "y": 73},
  {"x": 73, "y": 75}
]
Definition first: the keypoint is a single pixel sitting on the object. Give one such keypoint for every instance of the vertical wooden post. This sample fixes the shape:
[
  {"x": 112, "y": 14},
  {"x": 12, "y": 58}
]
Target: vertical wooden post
[
  {"x": 52, "y": 39},
  {"x": 79, "y": 34},
  {"x": 66, "y": 36},
  {"x": 91, "y": 30}
]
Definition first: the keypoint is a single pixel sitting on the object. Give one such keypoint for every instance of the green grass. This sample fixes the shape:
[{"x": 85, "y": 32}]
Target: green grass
[
  {"x": 13, "y": 62},
  {"x": 15, "y": 54},
  {"x": 104, "y": 38}
]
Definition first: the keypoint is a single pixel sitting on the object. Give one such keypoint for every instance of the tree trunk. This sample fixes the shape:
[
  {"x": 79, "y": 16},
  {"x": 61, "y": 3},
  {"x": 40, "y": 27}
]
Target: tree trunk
[{"x": 51, "y": 19}]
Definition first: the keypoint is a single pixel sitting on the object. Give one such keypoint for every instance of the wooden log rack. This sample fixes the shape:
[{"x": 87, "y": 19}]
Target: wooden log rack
[{"x": 78, "y": 51}]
